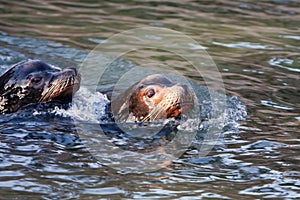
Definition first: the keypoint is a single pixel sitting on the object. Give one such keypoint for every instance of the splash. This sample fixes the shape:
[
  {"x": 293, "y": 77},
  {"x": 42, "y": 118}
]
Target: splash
[{"x": 86, "y": 106}]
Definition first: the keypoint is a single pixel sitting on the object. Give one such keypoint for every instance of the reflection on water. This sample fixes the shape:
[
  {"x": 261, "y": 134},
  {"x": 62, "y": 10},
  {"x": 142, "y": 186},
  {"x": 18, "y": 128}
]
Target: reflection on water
[{"x": 256, "y": 47}]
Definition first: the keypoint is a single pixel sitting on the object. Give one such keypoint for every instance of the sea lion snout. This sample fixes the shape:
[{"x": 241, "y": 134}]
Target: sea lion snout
[
  {"x": 176, "y": 100},
  {"x": 71, "y": 70},
  {"x": 62, "y": 86}
]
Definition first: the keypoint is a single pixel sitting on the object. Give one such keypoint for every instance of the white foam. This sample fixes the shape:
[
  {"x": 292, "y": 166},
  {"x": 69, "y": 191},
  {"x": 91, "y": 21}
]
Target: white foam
[{"x": 86, "y": 106}]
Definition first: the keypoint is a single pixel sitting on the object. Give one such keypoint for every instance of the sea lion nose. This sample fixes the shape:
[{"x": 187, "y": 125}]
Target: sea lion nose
[
  {"x": 185, "y": 87},
  {"x": 72, "y": 70}
]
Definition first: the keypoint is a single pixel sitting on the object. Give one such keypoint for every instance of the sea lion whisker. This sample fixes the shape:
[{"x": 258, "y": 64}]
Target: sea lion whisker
[
  {"x": 47, "y": 93},
  {"x": 57, "y": 87},
  {"x": 150, "y": 115},
  {"x": 162, "y": 108},
  {"x": 154, "y": 113}
]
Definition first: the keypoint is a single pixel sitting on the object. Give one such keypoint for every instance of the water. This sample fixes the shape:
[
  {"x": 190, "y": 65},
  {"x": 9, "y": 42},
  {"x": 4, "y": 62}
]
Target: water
[{"x": 255, "y": 46}]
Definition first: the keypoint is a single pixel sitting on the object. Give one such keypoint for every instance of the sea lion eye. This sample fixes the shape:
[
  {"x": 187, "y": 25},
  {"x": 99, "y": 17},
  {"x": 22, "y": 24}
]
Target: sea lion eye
[
  {"x": 150, "y": 93},
  {"x": 36, "y": 80}
]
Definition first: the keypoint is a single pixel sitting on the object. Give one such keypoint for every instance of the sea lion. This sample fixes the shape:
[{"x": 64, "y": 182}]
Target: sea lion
[
  {"x": 35, "y": 81},
  {"x": 154, "y": 97}
]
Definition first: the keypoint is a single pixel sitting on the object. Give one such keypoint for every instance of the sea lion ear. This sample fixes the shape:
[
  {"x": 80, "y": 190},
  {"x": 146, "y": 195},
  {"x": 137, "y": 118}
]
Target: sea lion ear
[{"x": 4, "y": 78}]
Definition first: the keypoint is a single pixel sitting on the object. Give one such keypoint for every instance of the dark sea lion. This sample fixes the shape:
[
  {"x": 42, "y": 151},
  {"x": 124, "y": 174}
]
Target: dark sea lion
[
  {"x": 35, "y": 81},
  {"x": 154, "y": 97}
]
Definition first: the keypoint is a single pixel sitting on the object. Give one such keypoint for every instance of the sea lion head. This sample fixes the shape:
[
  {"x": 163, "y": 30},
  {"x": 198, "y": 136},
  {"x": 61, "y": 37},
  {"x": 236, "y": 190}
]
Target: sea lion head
[
  {"x": 154, "y": 97},
  {"x": 35, "y": 81}
]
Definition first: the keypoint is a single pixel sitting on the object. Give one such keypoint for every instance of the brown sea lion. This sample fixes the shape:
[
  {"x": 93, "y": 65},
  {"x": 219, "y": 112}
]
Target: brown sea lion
[
  {"x": 35, "y": 81},
  {"x": 154, "y": 97}
]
